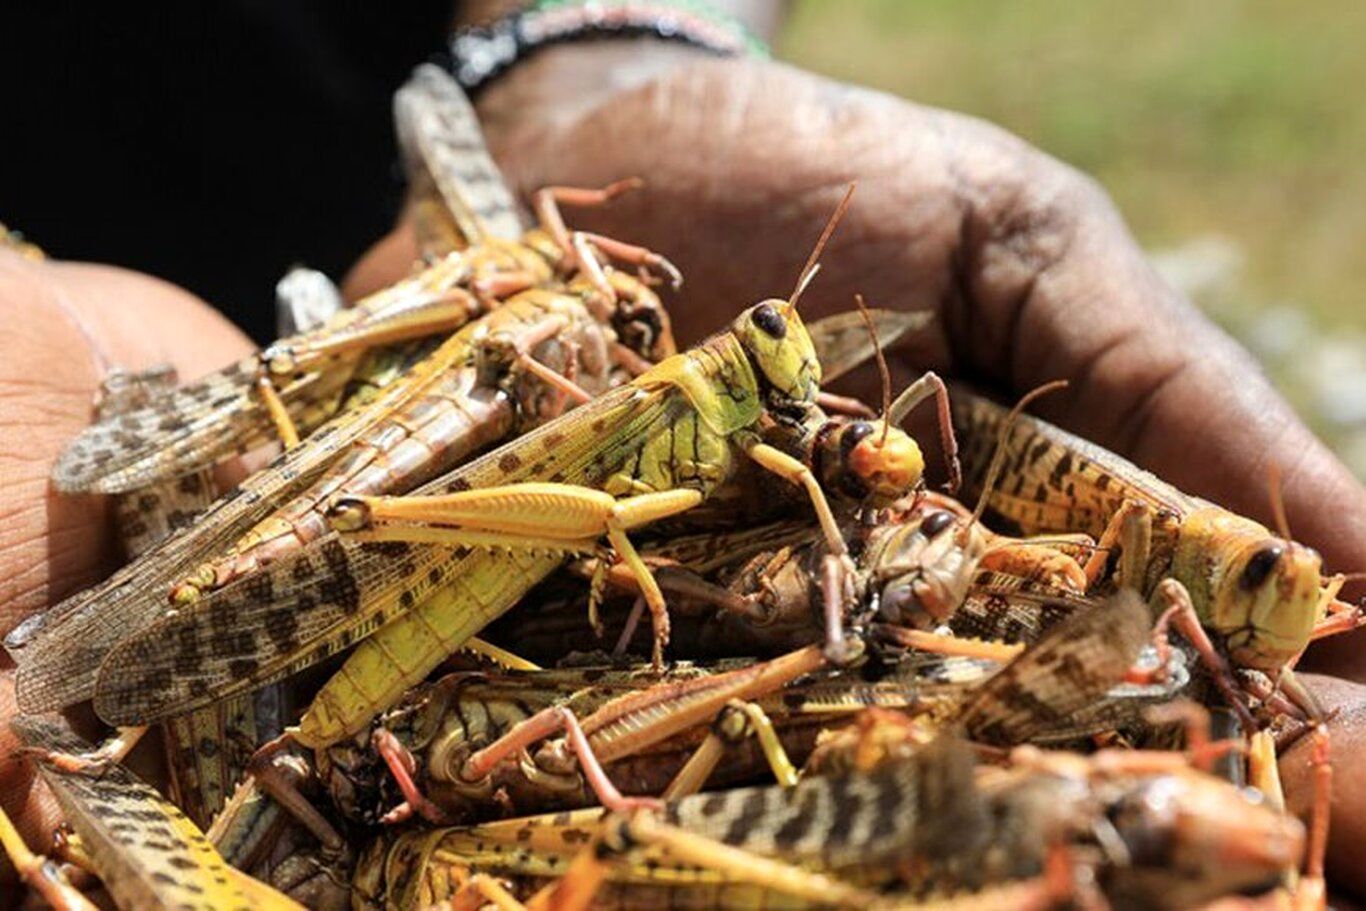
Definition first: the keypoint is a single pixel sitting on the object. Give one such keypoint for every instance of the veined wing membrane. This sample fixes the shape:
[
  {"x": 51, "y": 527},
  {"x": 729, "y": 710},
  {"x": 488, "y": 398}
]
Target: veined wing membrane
[
  {"x": 458, "y": 193},
  {"x": 58, "y": 651},
  {"x": 187, "y": 429},
  {"x": 301, "y": 610},
  {"x": 223, "y": 414}
]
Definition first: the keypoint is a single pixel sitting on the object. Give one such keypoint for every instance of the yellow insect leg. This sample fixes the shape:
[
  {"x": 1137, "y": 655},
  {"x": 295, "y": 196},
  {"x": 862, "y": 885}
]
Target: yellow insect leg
[{"x": 42, "y": 873}]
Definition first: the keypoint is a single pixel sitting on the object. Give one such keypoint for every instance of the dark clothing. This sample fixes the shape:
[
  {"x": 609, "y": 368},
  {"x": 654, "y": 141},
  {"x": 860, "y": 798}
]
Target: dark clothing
[{"x": 211, "y": 143}]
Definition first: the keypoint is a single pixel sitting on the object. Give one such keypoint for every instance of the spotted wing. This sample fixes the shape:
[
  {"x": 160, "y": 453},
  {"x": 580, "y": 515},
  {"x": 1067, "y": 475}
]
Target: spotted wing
[
  {"x": 147, "y": 853},
  {"x": 925, "y": 805},
  {"x": 199, "y": 424},
  {"x": 1052, "y": 481},
  {"x": 300, "y": 610},
  {"x": 458, "y": 194},
  {"x": 59, "y": 650},
  {"x": 185, "y": 430},
  {"x": 1040, "y": 694}
]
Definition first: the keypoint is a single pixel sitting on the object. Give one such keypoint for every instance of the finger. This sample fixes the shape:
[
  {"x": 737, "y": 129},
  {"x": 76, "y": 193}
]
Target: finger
[
  {"x": 1347, "y": 831},
  {"x": 64, "y": 325}
]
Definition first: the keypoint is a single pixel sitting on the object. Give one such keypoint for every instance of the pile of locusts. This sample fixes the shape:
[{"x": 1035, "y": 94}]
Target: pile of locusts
[{"x": 535, "y": 609}]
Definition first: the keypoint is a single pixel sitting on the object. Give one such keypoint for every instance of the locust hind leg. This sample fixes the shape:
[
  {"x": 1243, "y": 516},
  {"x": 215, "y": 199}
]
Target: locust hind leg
[
  {"x": 44, "y": 875},
  {"x": 737, "y": 722},
  {"x": 544, "y": 516},
  {"x": 1180, "y": 612},
  {"x": 1131, "y": 530},
  {"x": 111, "y": 751},
  {"x": 403, "y": 767},
  {"x": 281, "y": 781},
  {"x": 547, "y": 201},
  {"x": 543, "y": 724}
]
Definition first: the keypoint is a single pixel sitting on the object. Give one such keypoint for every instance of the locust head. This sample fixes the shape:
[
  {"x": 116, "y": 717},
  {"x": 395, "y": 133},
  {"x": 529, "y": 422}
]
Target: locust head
[
  {"x": 867, "y": 461},
  {"x": 780, "y": 348},
  {"x": 776, "y": 340},
  {"x": 923, "y": 567},
  {"x": 1265, "y": 592},
  {"x": 1189, "y": 837}
]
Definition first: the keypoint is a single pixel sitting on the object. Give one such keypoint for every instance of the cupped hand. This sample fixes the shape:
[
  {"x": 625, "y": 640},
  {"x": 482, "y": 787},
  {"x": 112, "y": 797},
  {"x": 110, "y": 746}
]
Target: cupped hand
[
  {"x": 1030, "y": 270},
  {"x": 62, "y": 326}
]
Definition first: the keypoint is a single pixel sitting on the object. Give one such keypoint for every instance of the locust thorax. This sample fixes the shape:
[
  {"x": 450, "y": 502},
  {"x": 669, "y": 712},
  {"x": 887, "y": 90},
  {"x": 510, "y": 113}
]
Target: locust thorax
[
  {"x": 779, "y": 347},
  {"x": 921, "y": 567},
  {"x": 1261, "y": 593},
  {"x": 866, "y": 461},
  {"x": 1190, "y": 837}
]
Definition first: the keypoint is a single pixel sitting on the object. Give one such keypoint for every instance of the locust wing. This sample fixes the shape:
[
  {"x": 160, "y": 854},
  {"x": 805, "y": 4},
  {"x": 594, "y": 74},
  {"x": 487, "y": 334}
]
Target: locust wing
[
  {"x": 1053, "y": 481},
  {"x": 59, "y": 650},
  {"x": 147, "y": 853},
  {"x": 457, "y": 193},
  {"x": 303, "y": 609},
  {"x": 1040, "y": 694},
  {"x": 185, "y": 430},
  {"x": 843, "y": 343},
  {"x": 194, "y": 426}
]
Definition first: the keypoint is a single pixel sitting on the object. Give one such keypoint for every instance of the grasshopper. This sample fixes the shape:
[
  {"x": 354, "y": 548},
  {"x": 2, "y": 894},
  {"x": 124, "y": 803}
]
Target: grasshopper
[
  {"x": 915, "y": 820},
  {"x": 146, "y": 852},
  {"x": 673, "y": 434},
  {"x": 59, "y": 661},
  {"x": 297, "y": 381},
  {"x": 1261, "y": 595}
]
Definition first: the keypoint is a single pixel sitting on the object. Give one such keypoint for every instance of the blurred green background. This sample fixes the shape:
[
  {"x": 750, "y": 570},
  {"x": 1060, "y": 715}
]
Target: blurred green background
[{"x": 1228, "y": 131}]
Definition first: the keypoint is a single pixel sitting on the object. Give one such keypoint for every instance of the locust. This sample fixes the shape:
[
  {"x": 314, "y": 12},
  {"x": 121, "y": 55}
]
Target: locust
[
  {"x": 664, "y": 440},
  {"x": 916, "y": 820},
  {"x": 1260, "y": 594},
  {"x": 484, "y": 269},
  {"x": 145, "y": 851},
  {"x": 296, "y": 382}
]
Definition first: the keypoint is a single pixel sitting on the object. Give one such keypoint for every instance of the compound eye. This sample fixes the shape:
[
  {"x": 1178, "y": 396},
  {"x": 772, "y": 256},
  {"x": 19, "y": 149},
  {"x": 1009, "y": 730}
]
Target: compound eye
[
  {"x": 768, "y": 319},
  {"x": 1260, "y": 566},
  {"x": 855, "y": 433},
  {"x": 935, "y": 522}
]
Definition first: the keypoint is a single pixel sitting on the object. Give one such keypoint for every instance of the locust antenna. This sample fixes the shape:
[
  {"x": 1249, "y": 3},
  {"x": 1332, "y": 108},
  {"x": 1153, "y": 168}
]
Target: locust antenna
[
  {"x": 882, "y": 370},
  {"x": 998, "y": 457},
  {"x": 813, "y": 261},
  {"x": 1273, "y": 481}
]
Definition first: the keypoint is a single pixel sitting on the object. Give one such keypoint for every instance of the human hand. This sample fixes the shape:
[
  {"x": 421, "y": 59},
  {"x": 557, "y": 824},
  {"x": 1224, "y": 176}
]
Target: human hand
[
  {"x": 62, "y": 326},
  {"x": 1031, "y": 271}
]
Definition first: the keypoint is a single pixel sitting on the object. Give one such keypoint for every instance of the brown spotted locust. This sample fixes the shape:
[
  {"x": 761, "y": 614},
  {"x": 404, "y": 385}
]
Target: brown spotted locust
[{"x": 533, "y": 610}]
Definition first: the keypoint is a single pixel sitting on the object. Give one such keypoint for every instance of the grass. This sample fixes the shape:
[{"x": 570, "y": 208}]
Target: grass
[
  {"x": 1218, "y": 117},
  {"x": 1232, "y": 120}
]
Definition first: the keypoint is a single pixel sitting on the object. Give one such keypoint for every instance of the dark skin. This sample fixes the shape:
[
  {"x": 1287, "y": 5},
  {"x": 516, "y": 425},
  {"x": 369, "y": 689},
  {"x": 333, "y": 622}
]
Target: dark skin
[{"x": 1032, "y": 273}]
